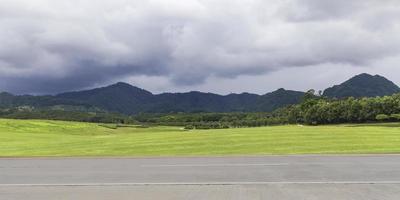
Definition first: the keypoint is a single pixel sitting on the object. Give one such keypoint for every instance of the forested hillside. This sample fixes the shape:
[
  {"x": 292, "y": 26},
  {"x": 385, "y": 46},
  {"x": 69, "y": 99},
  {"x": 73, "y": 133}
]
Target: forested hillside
[
  {"x": 127, "y": 99},
  {"x": 363, "y": 85}
]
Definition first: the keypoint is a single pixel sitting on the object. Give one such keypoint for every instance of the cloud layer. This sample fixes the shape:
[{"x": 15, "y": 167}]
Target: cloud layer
[{"x": 51, "y": 46}]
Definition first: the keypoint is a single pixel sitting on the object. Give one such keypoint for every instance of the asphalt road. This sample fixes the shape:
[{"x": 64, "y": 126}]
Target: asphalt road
[{"x": 270, "y": 177}]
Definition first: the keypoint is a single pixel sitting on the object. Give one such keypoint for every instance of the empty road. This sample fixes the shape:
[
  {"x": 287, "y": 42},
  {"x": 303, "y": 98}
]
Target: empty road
[{"x": 266, "y": 177}]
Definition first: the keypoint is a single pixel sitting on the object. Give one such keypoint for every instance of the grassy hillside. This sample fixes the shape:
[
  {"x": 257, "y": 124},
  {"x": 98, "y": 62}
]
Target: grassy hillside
[{"x": 56, "y": 138}]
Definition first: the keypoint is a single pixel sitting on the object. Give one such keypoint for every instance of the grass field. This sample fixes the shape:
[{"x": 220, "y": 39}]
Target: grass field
[{"x": 56, "y": 138}]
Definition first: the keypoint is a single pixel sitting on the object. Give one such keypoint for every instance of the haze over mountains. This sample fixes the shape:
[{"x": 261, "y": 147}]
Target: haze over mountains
[{"x": 128, "y": 99}]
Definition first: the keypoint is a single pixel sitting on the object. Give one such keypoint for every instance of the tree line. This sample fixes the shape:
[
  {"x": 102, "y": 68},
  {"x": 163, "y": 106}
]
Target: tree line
[
  {"x": 211, "y": 120},
  {"x": 26, "y": 112},
  {"x": 321, "y": 110},
  {"x": 313, "y": 110}
]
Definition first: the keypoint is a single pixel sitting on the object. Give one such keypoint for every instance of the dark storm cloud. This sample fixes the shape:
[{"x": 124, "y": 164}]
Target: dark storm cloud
[{"x": 50, "y": 46}]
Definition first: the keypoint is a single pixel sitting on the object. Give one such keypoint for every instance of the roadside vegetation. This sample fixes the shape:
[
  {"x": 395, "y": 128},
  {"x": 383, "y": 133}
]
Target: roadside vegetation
[{"x": 58, "y": 138}]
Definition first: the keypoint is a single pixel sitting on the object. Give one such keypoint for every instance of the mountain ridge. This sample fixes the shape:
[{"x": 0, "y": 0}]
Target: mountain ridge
[
  {"x": 124, "y": 98},
  {"x": 141, "y": 100}
]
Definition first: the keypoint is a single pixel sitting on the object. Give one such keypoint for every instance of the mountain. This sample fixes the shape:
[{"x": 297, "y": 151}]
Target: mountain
[
  {"x": 6, "y": 99},
  {"x": 120, "y": 97},
  {"x": 124, "y": 98},
  {"x": 363, "y": 85},
  {"x": 10, "y": 100},
  {"x": 276, "y": 99},
  {"x": 128, "y": 99}
]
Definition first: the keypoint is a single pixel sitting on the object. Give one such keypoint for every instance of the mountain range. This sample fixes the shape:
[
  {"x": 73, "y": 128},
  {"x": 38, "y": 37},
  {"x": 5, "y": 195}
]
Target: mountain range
[
  {"x": 124, "y": 98},
  {"x": 128, "y": 99}
]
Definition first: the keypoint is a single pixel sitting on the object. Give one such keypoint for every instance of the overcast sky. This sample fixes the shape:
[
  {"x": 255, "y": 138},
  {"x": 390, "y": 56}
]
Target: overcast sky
[{"x": 219, "y": 46}]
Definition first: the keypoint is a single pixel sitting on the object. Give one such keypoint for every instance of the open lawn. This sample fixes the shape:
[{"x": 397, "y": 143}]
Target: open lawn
[{"x": 57, "y": 138}]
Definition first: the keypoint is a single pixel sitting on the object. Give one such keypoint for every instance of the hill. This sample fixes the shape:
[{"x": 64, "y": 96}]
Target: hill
[
  {"x": 8, "y": 100},
  {"x": 363, "y": 85},
  {"x": 278, "y": 98},
  {"x": 128, "y": 99},
  {"x": 119, "y": 97}
]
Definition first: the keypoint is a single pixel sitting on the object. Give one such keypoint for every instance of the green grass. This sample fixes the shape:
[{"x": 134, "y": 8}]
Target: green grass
[{"x": 57, "y": 138}]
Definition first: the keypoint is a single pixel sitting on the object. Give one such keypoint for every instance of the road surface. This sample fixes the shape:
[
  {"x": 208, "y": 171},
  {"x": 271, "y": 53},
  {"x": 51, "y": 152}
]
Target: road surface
[{"x": 267, "y": 177}]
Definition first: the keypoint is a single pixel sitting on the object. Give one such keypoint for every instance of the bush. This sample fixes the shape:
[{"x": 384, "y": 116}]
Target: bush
[
  {"x": 382, "y": 117},
  {"x": 189, "y": 127},
  {"x": 395, "y": 116},
  {"x": 110, "y": 126},
  {"x": 225, "y": 126}
]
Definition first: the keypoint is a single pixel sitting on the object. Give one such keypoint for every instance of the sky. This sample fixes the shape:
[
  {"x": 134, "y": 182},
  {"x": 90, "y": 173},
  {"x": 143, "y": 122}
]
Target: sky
[{"x": 220, "y": 46}]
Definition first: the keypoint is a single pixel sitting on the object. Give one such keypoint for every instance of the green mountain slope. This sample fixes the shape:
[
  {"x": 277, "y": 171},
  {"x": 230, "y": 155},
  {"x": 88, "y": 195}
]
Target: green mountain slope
[
  {"x": 124, "y": 98},
  {"x": 363, "y": 85}
]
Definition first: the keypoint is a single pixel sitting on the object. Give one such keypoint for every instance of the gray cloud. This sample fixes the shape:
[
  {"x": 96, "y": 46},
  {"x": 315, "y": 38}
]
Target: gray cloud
[{"x": 52, "y": 46}]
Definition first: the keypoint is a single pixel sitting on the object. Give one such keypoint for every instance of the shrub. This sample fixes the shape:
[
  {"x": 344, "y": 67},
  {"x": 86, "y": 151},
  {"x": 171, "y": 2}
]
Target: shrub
[
  {"x": 225, "y": 126},
  {"x": 382, "y": 117},
  {"x": 189, "y": 127},
  {"x": 395, "y": 116},
  {"x": 110, "y": 126}
]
